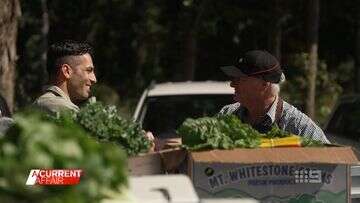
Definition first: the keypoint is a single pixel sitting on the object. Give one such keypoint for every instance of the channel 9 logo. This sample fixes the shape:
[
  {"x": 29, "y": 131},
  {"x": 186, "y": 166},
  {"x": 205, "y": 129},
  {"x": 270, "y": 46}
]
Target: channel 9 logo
[{"x": 308, "y": 176}]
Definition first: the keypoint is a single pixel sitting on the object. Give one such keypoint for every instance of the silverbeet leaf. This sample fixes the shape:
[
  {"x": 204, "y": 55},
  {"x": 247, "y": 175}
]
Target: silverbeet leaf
[
  {"x": 223, "y": 132},
  {"x": 227, "y": 132}
]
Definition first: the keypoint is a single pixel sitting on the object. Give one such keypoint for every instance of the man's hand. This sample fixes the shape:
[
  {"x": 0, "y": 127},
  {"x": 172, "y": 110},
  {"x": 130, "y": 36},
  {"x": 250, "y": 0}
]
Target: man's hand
[
  {"x": 151, "y": 138},
  {"x": 158, "y": 144},
  {"x": 166, "y": 143}
]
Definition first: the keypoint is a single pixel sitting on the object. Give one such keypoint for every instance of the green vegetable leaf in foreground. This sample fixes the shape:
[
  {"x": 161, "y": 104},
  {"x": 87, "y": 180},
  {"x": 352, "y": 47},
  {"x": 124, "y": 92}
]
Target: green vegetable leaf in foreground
[{"x": 36, "y": 143}]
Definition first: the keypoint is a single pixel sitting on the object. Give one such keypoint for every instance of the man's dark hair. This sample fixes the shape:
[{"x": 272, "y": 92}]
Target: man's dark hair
[{"x": 61, "y": 52}]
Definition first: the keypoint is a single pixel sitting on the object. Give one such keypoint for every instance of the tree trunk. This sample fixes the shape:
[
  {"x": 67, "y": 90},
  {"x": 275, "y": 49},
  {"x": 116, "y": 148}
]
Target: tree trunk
[
  {"x": 9, "y": 15},
  {"x": 190, "y": 55},
  {"x": 190, "y": 51},
  {"x": 141, "y": 54},
  {"x": 275, "y": 41},
  {"x": 140, "y": 44},
  {"x": 44, "y": 33},
  {"x": 275, "y": 30},
  {"x": 174, "y": 43},
  {"x": 357, "y": 52},
  {"x": 313, "y": 32}
]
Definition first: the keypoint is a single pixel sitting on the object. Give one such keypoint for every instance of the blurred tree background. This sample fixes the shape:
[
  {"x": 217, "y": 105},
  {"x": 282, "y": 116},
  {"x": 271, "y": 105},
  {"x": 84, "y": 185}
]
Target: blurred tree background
[{"x": 138, "y": 41}]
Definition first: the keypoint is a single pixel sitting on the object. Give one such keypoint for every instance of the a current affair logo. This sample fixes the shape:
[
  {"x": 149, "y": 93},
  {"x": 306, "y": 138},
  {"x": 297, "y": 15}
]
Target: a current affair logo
[
  {"x": 54, "y": 177},
  {"x": 308, "y": 176}
]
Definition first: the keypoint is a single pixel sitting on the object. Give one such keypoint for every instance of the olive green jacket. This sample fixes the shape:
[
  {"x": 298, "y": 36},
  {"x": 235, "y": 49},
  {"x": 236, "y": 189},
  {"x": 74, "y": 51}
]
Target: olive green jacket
[{"x": 55, "y": 100}]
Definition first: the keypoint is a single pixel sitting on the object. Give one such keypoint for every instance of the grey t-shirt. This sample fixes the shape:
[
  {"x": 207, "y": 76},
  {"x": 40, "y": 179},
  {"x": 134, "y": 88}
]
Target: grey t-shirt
[{"x": 55, "y": 100}]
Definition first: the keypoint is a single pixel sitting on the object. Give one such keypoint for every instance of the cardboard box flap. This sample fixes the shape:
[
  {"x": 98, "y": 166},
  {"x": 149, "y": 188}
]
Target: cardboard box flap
[
  {"x": 156, "y": 162},
  {"x": 326, "y": 155},
  {"x": 145, "y": 164}
]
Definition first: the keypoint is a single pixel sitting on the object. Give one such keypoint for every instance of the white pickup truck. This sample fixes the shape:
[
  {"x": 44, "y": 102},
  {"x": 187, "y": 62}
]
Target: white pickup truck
[{"x": 163, "y": 107}]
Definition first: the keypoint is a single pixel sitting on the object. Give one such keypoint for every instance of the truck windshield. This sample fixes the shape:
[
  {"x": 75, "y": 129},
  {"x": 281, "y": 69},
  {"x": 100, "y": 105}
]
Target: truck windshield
[{"x": 164, "y": 114}]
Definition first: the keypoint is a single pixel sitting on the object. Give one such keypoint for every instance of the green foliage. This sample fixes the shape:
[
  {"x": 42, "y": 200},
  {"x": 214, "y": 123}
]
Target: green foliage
[
  {"x": 34, "y": 142},
  {"x": 143, "y": 41},
  {"x": 276, "y": 132},
  {"x": 106, "y": 125},
  {"x": 308, "y": 142},
  {"x": 223, "y": 132},
  {"x": 108, "y": 96},
  {"x": 295, "y": 89},
  {"x": 105, "y": 94},
  {"x": 227, "y": 132}
]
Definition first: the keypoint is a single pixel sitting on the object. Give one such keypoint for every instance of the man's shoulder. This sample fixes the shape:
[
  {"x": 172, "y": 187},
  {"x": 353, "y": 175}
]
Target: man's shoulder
[
  {"x": 49, "y": 98},
  {"x": 46, "y": 96},
  {"x": 292, "y": 115},
  {"x": 299, "y": 123},
  {"x": 53, "y": 103},
  {"x": 230, "y": 108},
  {"x": 290, "y": 111}
]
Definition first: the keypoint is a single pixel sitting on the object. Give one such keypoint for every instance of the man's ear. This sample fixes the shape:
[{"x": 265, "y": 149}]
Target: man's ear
[
  {"x": 66, "y": 70},
  {"x": 266, "y": 84}
]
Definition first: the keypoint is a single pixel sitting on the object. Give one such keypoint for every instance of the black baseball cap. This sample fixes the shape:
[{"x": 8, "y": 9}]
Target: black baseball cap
[{"x": 256, "y": 63}]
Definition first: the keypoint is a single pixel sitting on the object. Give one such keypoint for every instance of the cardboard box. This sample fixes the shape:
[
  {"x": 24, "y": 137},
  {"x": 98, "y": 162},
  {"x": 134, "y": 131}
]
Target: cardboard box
[
  {"x": 274, "y": 174},
  {"x": 145, "y": 164},
  {"x": 165, "y": 161}
]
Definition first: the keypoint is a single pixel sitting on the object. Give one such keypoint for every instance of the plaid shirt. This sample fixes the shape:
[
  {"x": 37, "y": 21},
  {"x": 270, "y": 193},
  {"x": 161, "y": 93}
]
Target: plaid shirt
[{"x": 292, "y": 120}]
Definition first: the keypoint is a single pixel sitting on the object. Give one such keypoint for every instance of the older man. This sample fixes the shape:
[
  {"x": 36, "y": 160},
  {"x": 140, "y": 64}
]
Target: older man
[
  {"x": 256, "y": 79},
  {"x": 71, "y": 74}
]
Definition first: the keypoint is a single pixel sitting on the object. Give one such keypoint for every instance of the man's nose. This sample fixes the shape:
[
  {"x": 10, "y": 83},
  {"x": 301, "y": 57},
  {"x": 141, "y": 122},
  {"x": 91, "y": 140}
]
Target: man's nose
[{"x": 93, "y": 78}]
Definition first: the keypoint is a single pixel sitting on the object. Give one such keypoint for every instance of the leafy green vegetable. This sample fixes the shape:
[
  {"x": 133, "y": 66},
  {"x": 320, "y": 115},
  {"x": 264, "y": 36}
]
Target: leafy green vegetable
[
  {"x": 223, "y": 132},
  {"x": 105, "y": 124},
  {"x": 36, "y": 143},
  {"x": 227, "y": 132},
  {"x": 276, "y": 132},
  {"x": 308, "y": 142}
]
